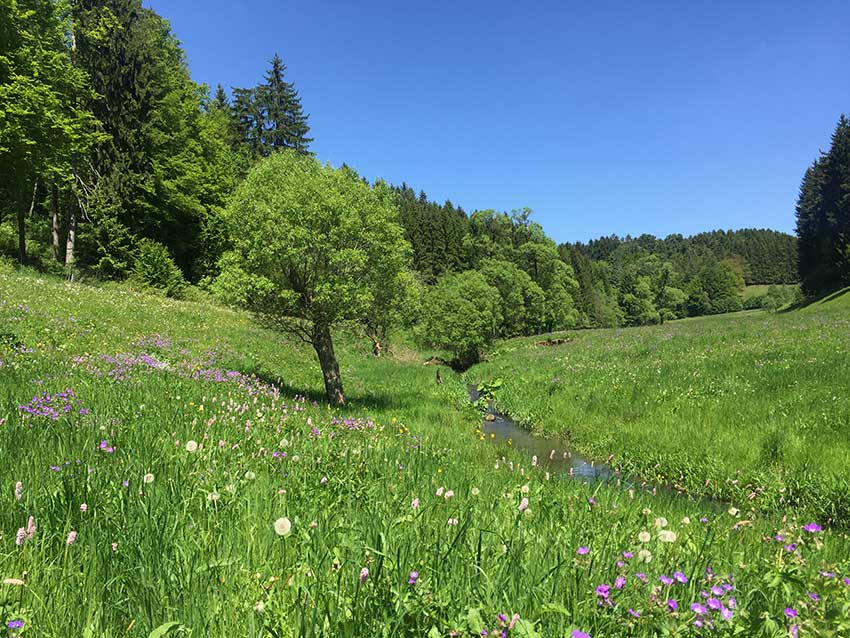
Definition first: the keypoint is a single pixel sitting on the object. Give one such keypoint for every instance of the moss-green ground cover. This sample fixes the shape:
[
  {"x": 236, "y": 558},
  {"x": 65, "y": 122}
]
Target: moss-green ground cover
[{"x": 178, "y": 466}]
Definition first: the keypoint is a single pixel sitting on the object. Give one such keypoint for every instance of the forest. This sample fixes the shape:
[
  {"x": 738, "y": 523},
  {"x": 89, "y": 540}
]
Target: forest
[{"x": 116, "y": 165}]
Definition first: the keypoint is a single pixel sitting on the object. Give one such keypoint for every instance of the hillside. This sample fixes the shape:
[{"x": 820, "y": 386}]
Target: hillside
[{"x": 181, "y": 472}]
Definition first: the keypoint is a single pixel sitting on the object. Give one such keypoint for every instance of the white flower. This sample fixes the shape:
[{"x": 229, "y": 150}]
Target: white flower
[
  {"x": 686, "y": 521},
  {"x": 414, "y": 504},
  {"x": 84, "y": 508},
  {"x": 449, "y": 494},
  {"x": 250, "y": 476},
  {"x": 282, "y": 526},
  {"x": 191, "y": 446},
  {"x": 644, "y": 537},
  {"x": 475, "y": 491},
  {"x": 440, "y": 490},
  {"x": 147, "y": 478},
  {"x": 734, "y": 511},
  {"x": 524, "y": 489},
  {"x": 523, "y": 505},
  {"x": 260, "y": 607},
  {"x": 667, "y": 536},
  {"x": 213, "y": 497},
  {"x": 452, "y": 521},
  {"x": 644, "y": 556},
  {"x": 660, "y": 522}
]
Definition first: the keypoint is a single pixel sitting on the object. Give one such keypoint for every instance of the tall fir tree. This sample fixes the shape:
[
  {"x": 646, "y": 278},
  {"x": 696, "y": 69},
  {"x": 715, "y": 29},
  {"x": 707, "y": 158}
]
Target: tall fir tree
[
  {"x": 270, "y": 116},
  {"x": 823, "y": 217}
]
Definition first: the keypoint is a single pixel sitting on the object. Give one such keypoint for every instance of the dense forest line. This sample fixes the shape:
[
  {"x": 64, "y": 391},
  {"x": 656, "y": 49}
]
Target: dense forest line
[{"x": 115, "y": 164}]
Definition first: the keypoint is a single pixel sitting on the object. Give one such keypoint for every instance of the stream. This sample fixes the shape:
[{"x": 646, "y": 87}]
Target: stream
[{"x": 550, "y": 453}]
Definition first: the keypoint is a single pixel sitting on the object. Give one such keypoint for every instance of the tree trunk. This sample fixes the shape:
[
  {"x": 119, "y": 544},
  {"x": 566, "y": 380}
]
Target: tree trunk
[
  {"x": 71, "y": 242},
  {"x": 22, "y": 228},
  {"x": 324, "y": 346},
  {"x": 54, "y": 201}
]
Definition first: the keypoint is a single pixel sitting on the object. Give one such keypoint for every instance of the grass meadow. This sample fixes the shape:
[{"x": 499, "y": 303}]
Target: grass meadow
[{"x": 169, "y": 468}]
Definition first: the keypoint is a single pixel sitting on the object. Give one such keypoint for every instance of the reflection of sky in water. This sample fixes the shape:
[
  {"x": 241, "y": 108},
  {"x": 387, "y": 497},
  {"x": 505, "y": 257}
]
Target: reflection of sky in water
[{"x": 551, "y": 454}]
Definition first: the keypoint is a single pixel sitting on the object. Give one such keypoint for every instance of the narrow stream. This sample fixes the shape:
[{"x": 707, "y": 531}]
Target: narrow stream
[{"x": 550, "y": 453}]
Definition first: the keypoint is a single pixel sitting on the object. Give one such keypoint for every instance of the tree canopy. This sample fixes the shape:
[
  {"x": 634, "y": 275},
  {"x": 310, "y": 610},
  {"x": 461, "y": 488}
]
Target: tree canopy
[{"x": 320, "y": 247}]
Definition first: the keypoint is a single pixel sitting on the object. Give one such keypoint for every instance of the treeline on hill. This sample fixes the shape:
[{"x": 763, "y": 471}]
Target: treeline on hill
[
  {"x": 115, "y": 164},
  {"x": 823, "y": 217}
]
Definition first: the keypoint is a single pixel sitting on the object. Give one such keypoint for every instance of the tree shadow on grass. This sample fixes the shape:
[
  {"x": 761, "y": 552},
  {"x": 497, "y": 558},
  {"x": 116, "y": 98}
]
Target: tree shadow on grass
[
  {"x": 354, "y": 399},
  {"x": 822, "y": 298}
]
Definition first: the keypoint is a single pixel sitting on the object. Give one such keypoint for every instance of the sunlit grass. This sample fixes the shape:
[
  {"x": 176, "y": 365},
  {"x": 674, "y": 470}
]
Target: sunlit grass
[{"x": 225, "y": 420}]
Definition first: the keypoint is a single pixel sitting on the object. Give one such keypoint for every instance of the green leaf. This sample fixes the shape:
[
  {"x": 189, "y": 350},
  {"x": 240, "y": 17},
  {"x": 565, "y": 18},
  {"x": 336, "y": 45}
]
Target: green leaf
[{"x": 164, "y": 629}]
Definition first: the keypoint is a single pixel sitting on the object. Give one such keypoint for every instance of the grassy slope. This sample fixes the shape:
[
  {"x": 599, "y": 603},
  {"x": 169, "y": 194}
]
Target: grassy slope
[
  {"x": 197, "y": 546},
  {"x": 749, "y": 406}
]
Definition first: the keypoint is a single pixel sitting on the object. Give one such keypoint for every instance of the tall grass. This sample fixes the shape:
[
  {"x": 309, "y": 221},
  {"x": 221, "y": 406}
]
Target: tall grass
[{"x": 161, "y": 441}]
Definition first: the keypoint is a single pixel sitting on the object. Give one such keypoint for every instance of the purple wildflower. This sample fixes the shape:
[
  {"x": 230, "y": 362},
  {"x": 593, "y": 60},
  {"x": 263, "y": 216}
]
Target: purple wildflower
[
  {"x": 811, "y": 528},
  {"x": 581, "y": 551}
]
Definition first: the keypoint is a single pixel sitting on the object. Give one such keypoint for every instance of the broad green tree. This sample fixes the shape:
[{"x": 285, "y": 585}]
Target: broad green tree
[
  {"x": 462, "y": 315},
  {"x": 45, "y": 130},
  {"x": 320, "y": 246}
]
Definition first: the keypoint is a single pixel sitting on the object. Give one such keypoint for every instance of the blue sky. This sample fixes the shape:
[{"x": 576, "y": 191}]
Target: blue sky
[{"x": 602, "y": 117}]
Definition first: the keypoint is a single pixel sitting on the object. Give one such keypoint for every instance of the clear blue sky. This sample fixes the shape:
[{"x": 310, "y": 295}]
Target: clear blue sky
[{"x": 603, "y": 117}]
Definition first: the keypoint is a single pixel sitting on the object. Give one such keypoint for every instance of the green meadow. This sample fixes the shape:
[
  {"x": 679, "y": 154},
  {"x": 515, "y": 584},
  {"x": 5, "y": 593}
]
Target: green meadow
[
  {"x": 752, "y": 407},
  {"x": 171, "y": 468}
]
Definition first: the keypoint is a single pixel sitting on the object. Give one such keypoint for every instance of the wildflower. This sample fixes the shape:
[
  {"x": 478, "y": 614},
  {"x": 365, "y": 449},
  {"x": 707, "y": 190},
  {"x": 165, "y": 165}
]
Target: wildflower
[
  {"x": 213, "y": 497},
  {"x": 640, "y": 576},
  {"x": 475, "y": 491},
  {"x": 790, "y": 547},
  {"x": 15, "y": 624},
  {"x": 725, "y": 613},
  {"x": 620, "y": 582},
  {"x": 364, "y": 574},
  {"x": 644, "y": 537},
  {"x": 114, "y": 547},
  {"x": 449, "y": 494},
  {"x": 282, "y": 526},
  {"x": 412, "y": 578},
  {"x": 414, "y": 504},
  {"x": 667, "y": 536},
  {"x": 628, "y": 555},
  {"x": 524, "y": 489},
  {"x": 665, "y": 580},
  {"x": 579, "y": 634},
  {"x": 19, "y": 490},
  {"x": 699, "y": 609},
  {"x": 813, "y": 596},
  {"x": 581, "y": 551},
  {"x": 147, "y": 479},
  {"x": 323, "y": 480},
  {"x": 20, "y": 537},
  {"x": 672, "y": 605},
  {"x": 679, "y": 576},
  {"x": 714, "y": 604},
  {"x": 440, "y": 490},
  {"x": 686, "y": 521},
  {"x": 634, "y": 613},
  {"x": 452, "y": 521},
  {"x": 523, "y": 505},
  {"x": 790, "y": 612},
  {"x": 733, "y": 511},
  {"x": 644, "y": 556},
  {"x": 30, "y": 528},
  {"x": 811, "y": 528},
  {"x": 250, "y": 476},
  {"x": 660, "y": 522},
  {"x": 603, "y": 591},
  {"x": 191, "y": 446},
  {"x": 260, "y": 607},
  {"x": 84, "y": 508},
  {"x": 72, "y": 537},
  {"x": 17, "y": 582}
]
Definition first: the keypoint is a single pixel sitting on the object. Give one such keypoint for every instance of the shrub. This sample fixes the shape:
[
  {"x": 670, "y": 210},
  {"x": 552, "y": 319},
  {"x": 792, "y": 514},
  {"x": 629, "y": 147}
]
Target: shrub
[{"x": 154, "y": 267}]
